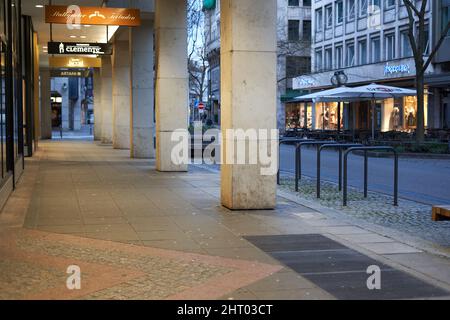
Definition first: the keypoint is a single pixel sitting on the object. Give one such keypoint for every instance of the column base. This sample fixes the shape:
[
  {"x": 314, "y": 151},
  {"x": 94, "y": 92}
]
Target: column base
[
  {"x": 164, "y": 147},
  {"x": 244, "y": 188}
]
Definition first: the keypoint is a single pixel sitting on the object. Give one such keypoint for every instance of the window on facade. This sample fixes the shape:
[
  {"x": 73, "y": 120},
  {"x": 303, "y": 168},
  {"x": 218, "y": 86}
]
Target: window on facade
[
  {"x": 319, "y": 20},
  {"x": 338, "y": 57},
  {"x": 389, "y": 4},
  {"x": 328, "y": 16},
  {"x": 293, "y": 30},
  {"x": 351, "y": 9},
  {"x": 339, "y": 11},
  {"x": 362, "y": 44},
  {"x": 328, "y": 59},
  {"x": 445, "y": 15},
  {"x": 375, "y": 49},
  {"x": 390, "y": 46},
  {"x": 350, "y": 55},
  {"x": 362, "y": 8},
  {"x": 293, "y": 3},
  {"x": 427, "y": 40},
  {"x": 406, "y": 44},
  {"x": 307, "y": 29},
  {"x": 297, "y": 66},
  {"x": 318, "y": 60},
  {"x": 375, "y": 4},
  {"x": 307, "y": 3}
]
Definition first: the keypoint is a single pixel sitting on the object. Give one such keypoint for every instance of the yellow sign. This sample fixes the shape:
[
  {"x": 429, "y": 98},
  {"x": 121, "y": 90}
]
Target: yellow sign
[{"x": 75, "y": 62}]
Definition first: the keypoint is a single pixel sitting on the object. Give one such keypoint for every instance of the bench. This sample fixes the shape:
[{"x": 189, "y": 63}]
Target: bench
[{"x": 441, "y": 213}]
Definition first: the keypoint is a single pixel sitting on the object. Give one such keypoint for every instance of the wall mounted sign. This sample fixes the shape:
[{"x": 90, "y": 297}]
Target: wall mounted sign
[
  {"x": 92, "y": 16},
  {"x": 99, "y": 49},
  {"x": 393, "y": 69},
  {"x": 303, "y": 82},
  {"x": 74, "y": 62},
  {"x": 69, "y": 73}
]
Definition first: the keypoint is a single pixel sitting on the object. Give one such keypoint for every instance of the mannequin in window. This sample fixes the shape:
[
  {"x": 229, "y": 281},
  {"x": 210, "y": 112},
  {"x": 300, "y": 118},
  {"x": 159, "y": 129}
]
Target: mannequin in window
[
  {"x": 411, "y": 120},
  {"x": 395, "y": 119},
  {"x": 326, "y": 119}
]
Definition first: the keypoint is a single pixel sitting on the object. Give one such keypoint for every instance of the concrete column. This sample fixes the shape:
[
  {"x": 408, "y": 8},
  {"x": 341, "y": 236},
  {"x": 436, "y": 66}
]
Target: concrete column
[
  {"x": 142, "y": 102},
  {"x": 172, "y": 99},
  {"x": 106, "y": 98},
  {"x": 45, "y": 105},
  {"x": 248, "y": 78},
  {"x": 98, "y": 114},
  {"x": 121, "y": 94}
]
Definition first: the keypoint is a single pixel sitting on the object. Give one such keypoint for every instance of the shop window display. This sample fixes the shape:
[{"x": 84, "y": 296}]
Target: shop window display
[
  {"x": 306, "y": 111},
  {"x": 293, "y": 116},
  {"x": 401, "y": 114},
  {"x": 327, "y": 118}
]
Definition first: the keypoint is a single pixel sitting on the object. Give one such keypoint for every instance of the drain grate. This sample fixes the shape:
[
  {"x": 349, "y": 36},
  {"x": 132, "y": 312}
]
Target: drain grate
[{"x": 341, "y": 271}]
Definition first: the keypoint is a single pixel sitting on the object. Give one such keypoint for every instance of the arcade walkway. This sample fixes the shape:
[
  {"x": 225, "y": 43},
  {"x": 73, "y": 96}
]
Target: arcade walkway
[{"x": 140, "y": 234}]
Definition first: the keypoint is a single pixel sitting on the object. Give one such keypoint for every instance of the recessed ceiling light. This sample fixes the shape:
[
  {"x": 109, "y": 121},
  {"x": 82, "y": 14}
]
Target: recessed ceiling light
[
  {"x": 83, "y": 37},
  {"x": 73, "y": 36},
  {"x": 39, "y": 6}
]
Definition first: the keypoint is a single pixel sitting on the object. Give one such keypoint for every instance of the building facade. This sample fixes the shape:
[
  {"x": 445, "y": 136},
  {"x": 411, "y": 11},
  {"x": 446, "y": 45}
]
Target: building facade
[
  {"x": 19, "y": 98},
  {"x": 367, "y": 41},
  {"x": 293, "y": 57}
]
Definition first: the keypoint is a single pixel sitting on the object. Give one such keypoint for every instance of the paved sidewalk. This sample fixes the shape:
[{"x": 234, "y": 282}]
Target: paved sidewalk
[{"x": 154, "y": 235}]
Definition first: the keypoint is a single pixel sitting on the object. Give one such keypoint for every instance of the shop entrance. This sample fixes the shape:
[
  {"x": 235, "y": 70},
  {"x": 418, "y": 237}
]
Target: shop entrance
[{"x": 72, "y": 103}]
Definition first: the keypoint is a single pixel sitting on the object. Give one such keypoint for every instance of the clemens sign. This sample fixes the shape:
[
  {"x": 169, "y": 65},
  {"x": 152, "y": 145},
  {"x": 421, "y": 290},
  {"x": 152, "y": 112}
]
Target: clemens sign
[
  {"x": 75, "y": 15},
  {"x": 72, "y": 48}
]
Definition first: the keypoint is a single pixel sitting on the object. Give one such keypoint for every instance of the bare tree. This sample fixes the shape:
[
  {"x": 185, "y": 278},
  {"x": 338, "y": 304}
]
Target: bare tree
[
  {"x": 197, "y": 58},
  {"x": 299, "y": 47},
  {"x": 417, "y": 38}
]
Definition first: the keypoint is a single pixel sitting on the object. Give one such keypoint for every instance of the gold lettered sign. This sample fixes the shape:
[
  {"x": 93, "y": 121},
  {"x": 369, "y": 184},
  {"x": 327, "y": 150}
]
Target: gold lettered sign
[
  {"x": 93, "y": 16},
  {"x": 75, "y": 62}
]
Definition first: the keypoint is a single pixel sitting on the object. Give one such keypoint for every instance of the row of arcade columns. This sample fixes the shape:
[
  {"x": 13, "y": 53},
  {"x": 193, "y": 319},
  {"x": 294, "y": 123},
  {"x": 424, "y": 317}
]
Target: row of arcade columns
[{"x": 144, "y": 96}]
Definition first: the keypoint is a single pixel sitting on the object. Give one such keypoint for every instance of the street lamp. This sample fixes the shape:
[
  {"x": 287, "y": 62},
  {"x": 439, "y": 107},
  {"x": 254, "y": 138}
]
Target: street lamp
[{"x": 339, "y": 78}]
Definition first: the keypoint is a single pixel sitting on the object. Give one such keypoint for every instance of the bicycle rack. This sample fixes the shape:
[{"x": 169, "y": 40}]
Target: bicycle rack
[
  {"x": 340, "y": 147},
  {"x": 366, "y": 167},
  {"x": 285, "y": 141},
  {"x": 298, "y": 157}
]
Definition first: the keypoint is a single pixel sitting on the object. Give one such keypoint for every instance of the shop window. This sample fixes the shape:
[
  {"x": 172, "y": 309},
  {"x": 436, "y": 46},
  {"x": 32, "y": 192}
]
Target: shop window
[
  {"x": 327, "y": 116},
  {"x": 293, "y": 117},
  {"x": 299, "y": 116},
  {"x": 401, "y": 114}
]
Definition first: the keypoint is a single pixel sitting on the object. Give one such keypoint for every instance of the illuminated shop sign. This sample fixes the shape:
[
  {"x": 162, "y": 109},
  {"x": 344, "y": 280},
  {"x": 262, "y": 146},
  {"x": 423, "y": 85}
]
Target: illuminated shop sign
[
  {"x": 394, "y": 69},
  {"x": 99, "y": 49},
  {"x": 75, "y": 62},
  {"x": 93, "y": 16}
]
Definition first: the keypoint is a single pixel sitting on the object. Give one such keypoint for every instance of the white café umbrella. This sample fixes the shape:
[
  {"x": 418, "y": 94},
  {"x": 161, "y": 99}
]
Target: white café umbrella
[
  {"x": 317, "y": 96},
  {"x": 370, "y": 92}
]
